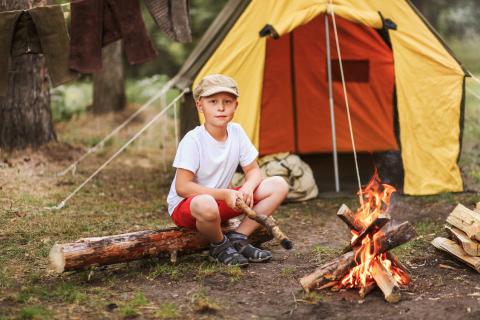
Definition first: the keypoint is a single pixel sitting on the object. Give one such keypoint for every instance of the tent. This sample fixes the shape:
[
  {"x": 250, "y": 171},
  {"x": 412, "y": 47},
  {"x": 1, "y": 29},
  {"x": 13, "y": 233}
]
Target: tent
[{"x": 405, "y": 87}]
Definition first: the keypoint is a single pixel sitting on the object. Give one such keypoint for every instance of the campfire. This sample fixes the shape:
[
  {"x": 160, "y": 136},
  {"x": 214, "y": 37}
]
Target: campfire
[{"x": 367, "y": 262}]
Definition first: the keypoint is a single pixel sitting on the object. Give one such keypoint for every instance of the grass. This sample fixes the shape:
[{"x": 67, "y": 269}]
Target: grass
[
  {"x": 131, "y": 308},
  {"x": 167, "y": 310},
  {"x": 202, "y": 303},
  {"x": 34, "y": 312}
]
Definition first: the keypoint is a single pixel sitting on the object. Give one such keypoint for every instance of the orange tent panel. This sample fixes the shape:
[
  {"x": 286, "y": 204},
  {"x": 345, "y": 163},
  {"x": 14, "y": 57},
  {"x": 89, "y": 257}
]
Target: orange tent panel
[{"x": 295, "y": 112}]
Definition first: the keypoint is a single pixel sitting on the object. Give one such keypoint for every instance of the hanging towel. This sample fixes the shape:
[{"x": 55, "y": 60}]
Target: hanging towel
[
  {"x": 96, "y": 23},
  {"x": 34, "y": 31},
  {"x": 173, "y": 18}
]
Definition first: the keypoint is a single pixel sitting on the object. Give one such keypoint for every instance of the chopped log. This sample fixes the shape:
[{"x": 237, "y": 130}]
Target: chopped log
[
  {"x": 367, "y": 289},
  {"x": 470, "y": 246},
  {"x": 457, "y": 251},
  {"x": 267, "y": 222},
  {"x": 348, "y": 216},
  {"x": 100, "y": 251},
  {"x": 392, "y": 235},
  {"x": 376, "y": 225},
  {"x": 385, "y": 282},
  {"x": 466, "y": 220},
  {"x": 332, "y": 271},
  {"x": 398, "y": 264}
]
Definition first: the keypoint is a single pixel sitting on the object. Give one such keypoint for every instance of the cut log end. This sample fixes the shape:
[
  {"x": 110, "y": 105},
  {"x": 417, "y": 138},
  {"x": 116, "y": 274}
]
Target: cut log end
[
  {"x": 57, "y": 258},
  {"x": 385, "y": 282}
]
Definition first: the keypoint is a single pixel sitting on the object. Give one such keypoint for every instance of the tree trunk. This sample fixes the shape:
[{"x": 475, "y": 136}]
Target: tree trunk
[
  {"x": 108, "y": 84},
  {"x": 25, "y": 115}
]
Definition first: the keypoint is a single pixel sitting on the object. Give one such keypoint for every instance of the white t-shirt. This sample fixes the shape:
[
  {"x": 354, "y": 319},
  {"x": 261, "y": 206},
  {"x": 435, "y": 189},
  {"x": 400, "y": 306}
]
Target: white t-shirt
[{"x": 213, "y": 162}]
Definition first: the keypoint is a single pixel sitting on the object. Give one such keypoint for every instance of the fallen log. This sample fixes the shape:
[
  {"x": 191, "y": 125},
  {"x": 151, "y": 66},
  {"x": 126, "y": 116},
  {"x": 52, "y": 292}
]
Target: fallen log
[
  {"x": 385, "y": 281},
  {"x": 466, "y": 220},
  {"x": 470, "y": 246},
  {"x": 100, "y": 251},
  {"x": 456, "y": 251},
  {"x": 267, "y": 222}
]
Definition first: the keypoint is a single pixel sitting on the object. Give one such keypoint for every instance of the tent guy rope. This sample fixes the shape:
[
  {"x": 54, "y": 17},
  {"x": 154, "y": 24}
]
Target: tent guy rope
[
  {"x": 330, "y": 10},
  {"x": 100, "y": 144},
  {"x": 152, "y": 121}
]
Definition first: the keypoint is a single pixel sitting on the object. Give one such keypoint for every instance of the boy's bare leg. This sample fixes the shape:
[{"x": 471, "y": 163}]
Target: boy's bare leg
[
  {"x": 269, "y": 194},
  {"x": 204, "y": 209}
]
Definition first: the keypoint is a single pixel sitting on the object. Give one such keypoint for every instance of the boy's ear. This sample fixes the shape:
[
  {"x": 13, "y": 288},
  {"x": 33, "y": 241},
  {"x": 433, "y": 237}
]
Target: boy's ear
[{"x": 199, "y": 105}]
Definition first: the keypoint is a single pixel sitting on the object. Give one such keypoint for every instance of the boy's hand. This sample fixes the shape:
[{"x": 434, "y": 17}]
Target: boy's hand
[
  {"x": 247, "y": 196},
  {"x": 231, "y": 198}
]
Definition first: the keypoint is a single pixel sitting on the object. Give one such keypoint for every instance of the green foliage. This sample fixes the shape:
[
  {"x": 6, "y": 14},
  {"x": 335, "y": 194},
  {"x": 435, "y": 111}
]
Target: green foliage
[
  {"x": 69, "y": 100},
  {"x": 130, "y": 309}
]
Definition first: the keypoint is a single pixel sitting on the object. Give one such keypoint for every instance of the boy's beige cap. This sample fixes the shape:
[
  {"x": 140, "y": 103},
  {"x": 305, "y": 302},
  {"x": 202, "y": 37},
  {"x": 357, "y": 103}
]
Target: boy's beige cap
[{"x": 215, "y": 83}]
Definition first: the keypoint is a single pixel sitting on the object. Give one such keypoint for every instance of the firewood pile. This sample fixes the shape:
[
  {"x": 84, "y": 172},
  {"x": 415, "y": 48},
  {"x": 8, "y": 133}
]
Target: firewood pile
[
  {"x": 463, "y": 227},
  {"x": 367, "y": 263}
]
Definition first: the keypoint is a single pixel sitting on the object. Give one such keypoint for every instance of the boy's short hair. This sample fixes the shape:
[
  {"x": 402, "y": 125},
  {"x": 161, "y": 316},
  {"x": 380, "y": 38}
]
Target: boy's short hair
[{"x": 213, "y": 84}]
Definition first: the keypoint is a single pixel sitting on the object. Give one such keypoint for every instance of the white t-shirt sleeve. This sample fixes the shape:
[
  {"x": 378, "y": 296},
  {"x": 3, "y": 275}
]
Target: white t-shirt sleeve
[
  {"x": 248, "y": 152},
  {"x": 188, "y": 155}
]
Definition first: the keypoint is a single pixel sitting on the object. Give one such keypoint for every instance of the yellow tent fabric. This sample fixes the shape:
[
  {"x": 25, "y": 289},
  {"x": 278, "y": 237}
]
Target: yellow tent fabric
[{"x": 428, "y": 80}]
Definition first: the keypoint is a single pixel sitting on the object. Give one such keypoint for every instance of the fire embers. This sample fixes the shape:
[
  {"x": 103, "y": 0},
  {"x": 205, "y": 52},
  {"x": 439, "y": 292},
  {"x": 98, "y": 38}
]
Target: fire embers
[{"x": 366, "y": 262}]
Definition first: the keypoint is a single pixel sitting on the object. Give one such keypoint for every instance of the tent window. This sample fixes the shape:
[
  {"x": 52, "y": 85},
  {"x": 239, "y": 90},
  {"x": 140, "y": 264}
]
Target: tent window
[{"x": 354, "y": 70}]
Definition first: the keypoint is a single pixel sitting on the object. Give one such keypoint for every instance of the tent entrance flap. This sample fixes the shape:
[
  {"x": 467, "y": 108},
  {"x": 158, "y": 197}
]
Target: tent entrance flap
[{"x": 369, "y": 73}]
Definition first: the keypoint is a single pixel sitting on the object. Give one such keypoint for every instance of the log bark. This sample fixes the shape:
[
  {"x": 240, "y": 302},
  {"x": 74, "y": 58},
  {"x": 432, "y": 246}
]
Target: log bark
[
  {"x": 392, "y": 235},
  {"x": 99, "y": 251},
  {"x": 332, "y": 271},
  {"x": 466, "y": 220},
  {"x": 267, "y": 222},
  {"x": 385, "y": 282},
  {"x": 470, "y": 246},
  {"x": 456, "y": 251},
  {"x": 376, "y": 225},
  {"x": 25, "y": 115},
  {"x": 108, "y": 84}
]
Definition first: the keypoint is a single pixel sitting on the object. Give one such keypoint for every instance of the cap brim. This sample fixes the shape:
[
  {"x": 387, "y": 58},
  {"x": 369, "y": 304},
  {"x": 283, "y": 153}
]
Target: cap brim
[{"x": 215, "y": 90}]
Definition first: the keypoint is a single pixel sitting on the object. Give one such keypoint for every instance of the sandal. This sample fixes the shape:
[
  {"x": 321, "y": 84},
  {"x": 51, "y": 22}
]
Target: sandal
[
  {"x": 241, "y": 244},
  {"x": 227, "y": 254}
]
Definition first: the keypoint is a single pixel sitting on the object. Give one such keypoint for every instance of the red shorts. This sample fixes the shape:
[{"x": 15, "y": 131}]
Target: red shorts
[{"x": 182, "y": 216}]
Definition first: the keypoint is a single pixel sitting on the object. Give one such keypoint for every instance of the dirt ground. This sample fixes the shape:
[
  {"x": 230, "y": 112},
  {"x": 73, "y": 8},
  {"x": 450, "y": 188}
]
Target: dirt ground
[{"x": 130, "y": 195}]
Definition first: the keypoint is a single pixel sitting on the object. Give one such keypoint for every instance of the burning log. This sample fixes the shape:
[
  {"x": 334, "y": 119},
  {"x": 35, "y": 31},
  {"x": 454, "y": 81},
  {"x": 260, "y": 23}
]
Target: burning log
[
  {"x": 100, "y": 251},
  {"x": 466, "y": 220},
  {"x": 334, "y": 270},
  {"x": 393, "y": 235},
  {"x": 374, "y": 234},
  {"x": 385, "y": 282},
  {"x": 456, "y": 250},
  {"x": 471, "y": 247}
]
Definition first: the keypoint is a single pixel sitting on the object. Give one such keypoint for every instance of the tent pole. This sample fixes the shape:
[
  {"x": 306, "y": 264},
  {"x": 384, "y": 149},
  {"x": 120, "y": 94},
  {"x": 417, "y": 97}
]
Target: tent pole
[{"x": 330, "y": 99}]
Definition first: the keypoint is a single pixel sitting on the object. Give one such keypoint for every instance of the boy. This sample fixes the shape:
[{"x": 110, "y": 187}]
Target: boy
[{"x": 206, "y": 160}]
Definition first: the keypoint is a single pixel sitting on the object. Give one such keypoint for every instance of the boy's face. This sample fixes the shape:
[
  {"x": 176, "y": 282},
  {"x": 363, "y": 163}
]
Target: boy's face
[{"x": 218, "y": 108}]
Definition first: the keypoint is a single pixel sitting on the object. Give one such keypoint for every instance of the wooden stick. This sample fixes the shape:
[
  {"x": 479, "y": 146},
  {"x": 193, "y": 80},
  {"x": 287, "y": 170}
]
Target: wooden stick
[
  {"x": 376, "y": 225},
  {"x": 470, "y": 246},
  {"x": 267, "y": 222},
  {"x": 385, "y": 282},
  {"x": 99, "y": 251},
  {"x": 457, "y": 251}
]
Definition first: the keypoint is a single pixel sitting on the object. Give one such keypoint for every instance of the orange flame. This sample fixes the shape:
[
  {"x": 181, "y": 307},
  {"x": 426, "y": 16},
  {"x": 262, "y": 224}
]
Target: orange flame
[{"x": 376, "y": 199}]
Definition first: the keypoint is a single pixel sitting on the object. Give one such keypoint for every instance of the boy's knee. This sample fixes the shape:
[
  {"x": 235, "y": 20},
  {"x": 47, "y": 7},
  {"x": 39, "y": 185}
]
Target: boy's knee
[
  {"x": 281, "y": 186},
  {"x": 205, "y": 207}
]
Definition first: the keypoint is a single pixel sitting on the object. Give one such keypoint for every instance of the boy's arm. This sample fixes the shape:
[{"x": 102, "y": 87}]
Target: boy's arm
[
  {"x": 186, "y": 186},
  {"x": 253, "y": 177}
]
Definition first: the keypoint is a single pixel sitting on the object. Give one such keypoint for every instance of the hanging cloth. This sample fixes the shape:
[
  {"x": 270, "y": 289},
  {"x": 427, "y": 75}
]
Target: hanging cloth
[
  {"x": 35, "y": 31},
  {"x": 173, "y": 18},
  {"x": 96, "y": 23}
]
